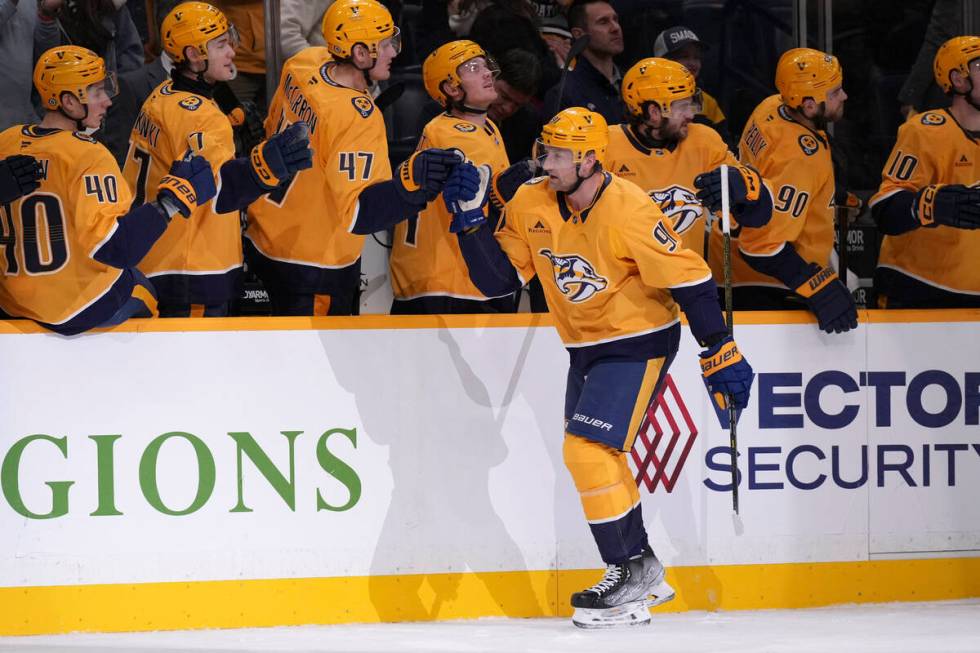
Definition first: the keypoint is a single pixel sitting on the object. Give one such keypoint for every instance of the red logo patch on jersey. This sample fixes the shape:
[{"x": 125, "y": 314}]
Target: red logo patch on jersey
[
  {"x": 363, "y": 105},
  {"x": 680, "y": 205},
  {"x": 933, "y": 119},
  {"x": 809, "y": 144},
  {"x": 575, "y": 277}
]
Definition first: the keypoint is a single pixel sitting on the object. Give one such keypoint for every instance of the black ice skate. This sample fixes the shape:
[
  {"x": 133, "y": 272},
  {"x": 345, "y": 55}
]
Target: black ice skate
[{"x": 625, "y": 594}]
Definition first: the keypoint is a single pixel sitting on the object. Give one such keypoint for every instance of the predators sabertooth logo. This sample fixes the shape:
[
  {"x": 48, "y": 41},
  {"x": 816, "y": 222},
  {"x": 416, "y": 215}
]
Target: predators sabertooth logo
[
  {"x": 680, "y": 205},
  {"x": 574, "y": 276}
]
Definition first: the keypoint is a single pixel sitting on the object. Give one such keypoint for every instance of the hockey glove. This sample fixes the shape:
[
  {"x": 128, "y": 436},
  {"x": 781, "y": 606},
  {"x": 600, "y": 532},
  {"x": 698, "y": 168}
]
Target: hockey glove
[
  {"x": 744, "y": 188},
  {"x": 19, "y": 175},
  {"x": 828, "y": 299},
  {"x": 189, "y": 184},
  {"x": 952, "y": 205},
  {"x": 465, "y": 195},
  {"x": 281, "y": 156},
  {"x": 506, "y": 182},
  {"x": 427, "y": 171},
  {"x": 726, "y": 373}
]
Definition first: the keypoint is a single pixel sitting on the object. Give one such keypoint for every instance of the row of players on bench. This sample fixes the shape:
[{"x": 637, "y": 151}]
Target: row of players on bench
[{"x": 89, "y": 246}]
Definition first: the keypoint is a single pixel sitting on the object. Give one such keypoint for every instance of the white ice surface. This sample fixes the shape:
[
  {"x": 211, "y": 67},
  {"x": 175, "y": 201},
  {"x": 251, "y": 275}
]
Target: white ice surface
[{"x": 942, "y": 627}]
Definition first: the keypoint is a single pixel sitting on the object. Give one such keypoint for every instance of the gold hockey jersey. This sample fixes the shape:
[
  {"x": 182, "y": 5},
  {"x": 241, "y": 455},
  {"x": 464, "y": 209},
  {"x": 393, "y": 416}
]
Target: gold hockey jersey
[
  {"x": 170, "y": 121},
  {"x": 607, "y": 270},
  {"x": 668, "y": 176},
  {"x": 309, "y": 221},
  {"x": 932, "y": 148},
  {"x": 425, "y": 257},
  {"x": 795, "y": 162},
  {"x": 50, "y": 235}
]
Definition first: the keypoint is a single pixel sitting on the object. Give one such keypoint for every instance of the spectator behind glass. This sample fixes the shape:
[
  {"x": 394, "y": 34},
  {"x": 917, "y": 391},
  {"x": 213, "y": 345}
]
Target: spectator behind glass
[
  {"x": 920, "y": 92},
  {"x": 512, "y": 111},
  {"x": 300, "y": 24},
  {"x": 594, "y": 82},
  {"x": 103, "y": 26},
  {"x": 21, "y": 41},
  {"x": 682, "y": 45},
  {"x": 554, "y": 31},
  {"x": 509, "y": 24}
]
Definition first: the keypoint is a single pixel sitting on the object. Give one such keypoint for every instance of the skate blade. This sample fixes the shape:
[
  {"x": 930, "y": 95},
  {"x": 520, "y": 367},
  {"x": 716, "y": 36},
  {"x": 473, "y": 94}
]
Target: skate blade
[
  {"x": 634, "y": 613},
  {"x": 660, "y": 594}
]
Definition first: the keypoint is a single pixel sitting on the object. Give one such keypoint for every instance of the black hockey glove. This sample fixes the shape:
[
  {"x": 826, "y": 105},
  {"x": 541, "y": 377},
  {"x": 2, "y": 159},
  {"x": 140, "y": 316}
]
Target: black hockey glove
[
  {"x": 952, "y": 205},
  {"x": 19, "y": 175},
  {"x": 828, "y": 299},
  {"x": 744, "y": 188},
  {"x": 189, "y": 184},
  {"x": 281, "y": 156},
  {"x": 427, "y": 171},
  {"x": 506, "y": 182}
]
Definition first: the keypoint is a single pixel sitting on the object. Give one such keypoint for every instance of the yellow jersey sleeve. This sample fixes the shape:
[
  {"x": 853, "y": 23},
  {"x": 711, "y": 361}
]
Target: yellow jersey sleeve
[
  {"x": 647, "y": 238},
  {"x": 101, "y": 197},
  {"x": 510, "y": 235},
  {"x": 915, "y": 160}
]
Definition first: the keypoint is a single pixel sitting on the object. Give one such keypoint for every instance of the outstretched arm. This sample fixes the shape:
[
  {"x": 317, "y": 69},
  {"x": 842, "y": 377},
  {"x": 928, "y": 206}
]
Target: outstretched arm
[
  {"x": 272, "y": 162},
  {"x": 418, "y": 181}
]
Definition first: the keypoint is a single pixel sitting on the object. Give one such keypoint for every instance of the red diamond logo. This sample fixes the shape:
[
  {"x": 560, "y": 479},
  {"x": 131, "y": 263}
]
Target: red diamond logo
[{"x": 666, "y": 437}]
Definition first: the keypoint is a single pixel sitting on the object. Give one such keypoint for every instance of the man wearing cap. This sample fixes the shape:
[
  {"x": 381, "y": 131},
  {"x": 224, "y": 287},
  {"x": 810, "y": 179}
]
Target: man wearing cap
[{"x": 682, "y": 45}]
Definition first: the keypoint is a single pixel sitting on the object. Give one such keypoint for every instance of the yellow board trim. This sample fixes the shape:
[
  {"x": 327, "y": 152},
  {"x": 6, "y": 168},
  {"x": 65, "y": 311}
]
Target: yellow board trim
[
  {"x": 480, "y": 321},
  {"x": 427, "y": 597}
]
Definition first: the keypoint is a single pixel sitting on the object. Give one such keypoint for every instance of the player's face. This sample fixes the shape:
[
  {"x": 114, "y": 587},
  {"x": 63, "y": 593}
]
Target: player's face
[
  {"x": 974, "y": 69},
  {"x": 559, "y": 164},
  {"x": 99, "y": 99},
  {"x": 476, "y": 77},
  {"x": 834, "y": 105},
  {"x": 689, "y": 56},
  {"x": 221, "y": 58},
  {"x": 388, "y": 49},
  {"x": 682, "y": 112},
  {"x": 508, "y": 101},
  {"x": 605, "y": 34}
]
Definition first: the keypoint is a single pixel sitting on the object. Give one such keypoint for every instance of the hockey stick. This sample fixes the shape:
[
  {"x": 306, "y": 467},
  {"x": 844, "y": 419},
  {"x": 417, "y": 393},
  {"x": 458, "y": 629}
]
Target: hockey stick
[
  {"x": 843, "y": 227},
  {"x": 389, "y": 96},
  {"x": 574, "y": 50},
  {"x": 726, "y": 227}
]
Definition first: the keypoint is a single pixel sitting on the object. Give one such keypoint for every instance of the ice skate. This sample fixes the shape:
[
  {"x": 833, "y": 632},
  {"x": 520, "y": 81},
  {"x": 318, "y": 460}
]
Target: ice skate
[{"x": 625, "y": 594}]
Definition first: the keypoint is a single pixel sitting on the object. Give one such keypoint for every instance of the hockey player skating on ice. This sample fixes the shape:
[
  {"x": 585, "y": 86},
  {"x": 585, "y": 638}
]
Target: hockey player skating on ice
[
  {"x": 614, "y": 272},
  {"x": 928, "y": 204}
]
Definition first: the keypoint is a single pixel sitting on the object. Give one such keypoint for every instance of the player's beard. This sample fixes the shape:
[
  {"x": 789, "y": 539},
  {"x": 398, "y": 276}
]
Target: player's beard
[
  {"x": 822, "y": 119},
  {"x": 673, "y": 133}
]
